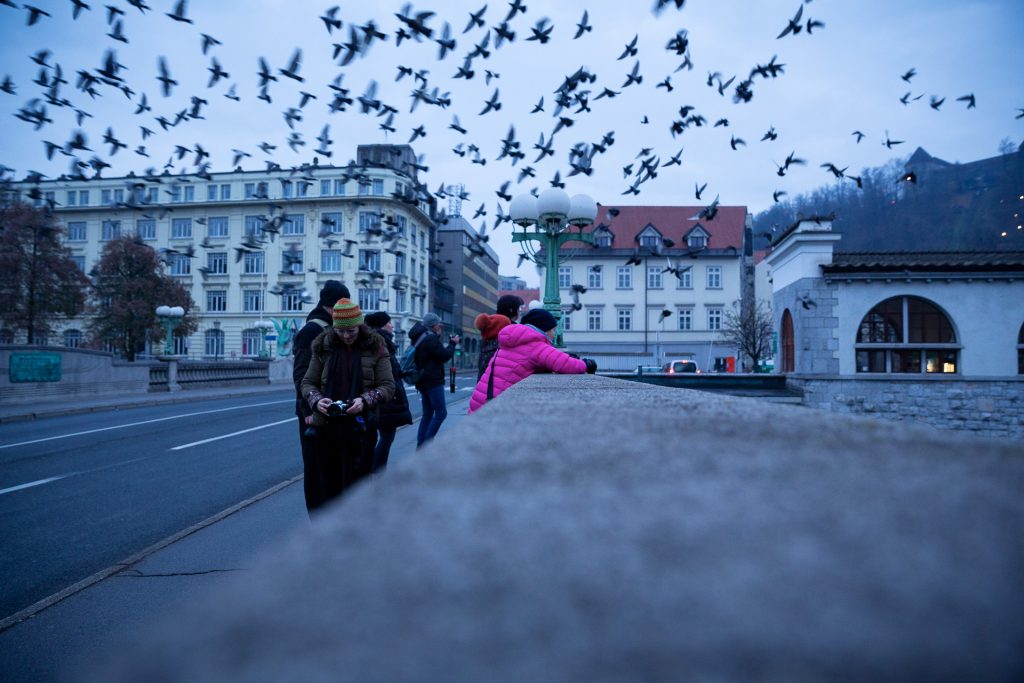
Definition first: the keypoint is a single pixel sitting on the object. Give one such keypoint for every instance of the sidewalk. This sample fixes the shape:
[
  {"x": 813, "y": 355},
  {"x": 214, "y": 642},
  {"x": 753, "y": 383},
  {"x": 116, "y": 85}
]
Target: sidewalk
[{"x": 106, "y": 612}]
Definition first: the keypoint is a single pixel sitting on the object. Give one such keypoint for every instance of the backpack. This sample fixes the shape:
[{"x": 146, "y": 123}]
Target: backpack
[{"x": 412, "y": 373}]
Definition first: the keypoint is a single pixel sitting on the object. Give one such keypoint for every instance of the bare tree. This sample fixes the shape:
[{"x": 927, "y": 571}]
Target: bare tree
[
  {"x": 750, "y": 329},
  {"x": 40, "y": 282},
  {"x": 128, "y": 284}
]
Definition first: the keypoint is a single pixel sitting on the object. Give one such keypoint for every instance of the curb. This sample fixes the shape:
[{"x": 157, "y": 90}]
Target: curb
[{"x": 127, "y": 563}]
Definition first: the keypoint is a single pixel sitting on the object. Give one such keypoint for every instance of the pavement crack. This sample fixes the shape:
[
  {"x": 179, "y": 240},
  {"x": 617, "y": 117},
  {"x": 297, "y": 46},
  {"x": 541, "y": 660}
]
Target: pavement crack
[{"x": 136, "y": 574}]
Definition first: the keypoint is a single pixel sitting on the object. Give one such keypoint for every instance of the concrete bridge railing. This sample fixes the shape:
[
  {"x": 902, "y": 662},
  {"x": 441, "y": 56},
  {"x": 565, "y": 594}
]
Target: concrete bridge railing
[{"x": 590, "y": 529}]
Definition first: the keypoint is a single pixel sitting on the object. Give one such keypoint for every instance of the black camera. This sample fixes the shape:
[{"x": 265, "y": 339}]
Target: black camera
[{"x": 338, "y": 408}]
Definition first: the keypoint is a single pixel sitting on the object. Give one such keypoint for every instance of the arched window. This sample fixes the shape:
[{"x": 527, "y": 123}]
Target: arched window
[
  {"x": 251, "y": 343},
  {"x": 907, "y": 334},
  {"x": 214, "y": 343},
  {"x": 72, "y": 338},
  {"x": 1020, "y": 351},
  {"x": 788, "y": 345}
]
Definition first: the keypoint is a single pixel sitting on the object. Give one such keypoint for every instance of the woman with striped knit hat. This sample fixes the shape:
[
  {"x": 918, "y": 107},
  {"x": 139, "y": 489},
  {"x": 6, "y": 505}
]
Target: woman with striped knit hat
[{"x": 349, "y": 364}]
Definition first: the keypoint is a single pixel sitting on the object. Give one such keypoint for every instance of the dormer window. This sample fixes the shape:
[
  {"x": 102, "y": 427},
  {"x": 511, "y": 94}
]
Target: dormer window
[
  {"x": 649, "y": 237},
  {"x": 650, "y": 241},
  {"x": 603, "y": 239},
  {"x": 697, "y": 238}
]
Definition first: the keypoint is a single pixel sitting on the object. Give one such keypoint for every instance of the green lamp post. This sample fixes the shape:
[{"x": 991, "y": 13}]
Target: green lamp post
[
  {"x": 551, "y": 215},
  {"x": 170, "y": 317}
]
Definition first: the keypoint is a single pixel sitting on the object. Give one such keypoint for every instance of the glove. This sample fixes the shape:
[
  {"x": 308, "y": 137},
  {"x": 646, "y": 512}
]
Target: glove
[{"x": 591, "y": 365}]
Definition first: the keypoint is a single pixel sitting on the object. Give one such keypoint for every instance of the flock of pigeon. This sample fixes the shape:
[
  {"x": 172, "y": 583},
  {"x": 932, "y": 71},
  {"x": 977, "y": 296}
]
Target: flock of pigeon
[{"x": 463, "y": 56}]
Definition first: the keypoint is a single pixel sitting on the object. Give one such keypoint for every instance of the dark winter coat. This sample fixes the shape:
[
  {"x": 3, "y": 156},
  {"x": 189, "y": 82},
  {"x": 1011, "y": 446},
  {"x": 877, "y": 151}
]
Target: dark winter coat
[
  {"x": 431, "y": 357},
  {"x": 301, "y": 353},
  {"x": 395, "y": 412},
  {"x": 374, "y": 361}
]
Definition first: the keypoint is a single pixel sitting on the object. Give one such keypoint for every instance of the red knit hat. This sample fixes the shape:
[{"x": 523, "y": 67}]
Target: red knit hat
[
  {"x": 347, "y": 314},
  {"x": 491, "y": 325}
]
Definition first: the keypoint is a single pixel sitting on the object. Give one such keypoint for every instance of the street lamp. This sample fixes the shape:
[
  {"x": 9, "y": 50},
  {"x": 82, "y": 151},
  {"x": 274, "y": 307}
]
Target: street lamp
[
  {"x": 263, "y": 326},
  {"x": 551, "y": 215},
  {"x": 170, "y": 317}
]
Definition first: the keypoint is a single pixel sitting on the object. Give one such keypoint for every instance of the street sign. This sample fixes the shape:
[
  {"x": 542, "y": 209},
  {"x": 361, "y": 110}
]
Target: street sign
[{"x": 271, "y": 337}]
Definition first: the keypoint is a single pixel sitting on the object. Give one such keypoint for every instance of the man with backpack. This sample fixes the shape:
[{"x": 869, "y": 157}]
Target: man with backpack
[
  {"x": 316, "y": 322},
  {"x": 431, "y": 356}
]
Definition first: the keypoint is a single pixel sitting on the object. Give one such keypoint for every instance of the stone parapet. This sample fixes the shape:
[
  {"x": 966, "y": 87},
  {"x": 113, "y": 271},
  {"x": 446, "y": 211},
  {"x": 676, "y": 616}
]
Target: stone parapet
[{"x": 583, "y": 528}]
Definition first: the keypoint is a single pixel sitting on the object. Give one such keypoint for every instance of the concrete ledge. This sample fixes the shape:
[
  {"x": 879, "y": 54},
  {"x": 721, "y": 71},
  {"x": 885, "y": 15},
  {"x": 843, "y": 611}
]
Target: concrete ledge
[{"x": 589, "y": 529}]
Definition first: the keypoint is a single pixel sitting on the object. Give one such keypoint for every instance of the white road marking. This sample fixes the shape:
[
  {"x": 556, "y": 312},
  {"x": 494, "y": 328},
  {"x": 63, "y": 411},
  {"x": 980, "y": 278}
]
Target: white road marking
[
  {"x": 136, "y": 424},
  {"x": 227, "y": 436},
  {"x": 29, "y": 485}
]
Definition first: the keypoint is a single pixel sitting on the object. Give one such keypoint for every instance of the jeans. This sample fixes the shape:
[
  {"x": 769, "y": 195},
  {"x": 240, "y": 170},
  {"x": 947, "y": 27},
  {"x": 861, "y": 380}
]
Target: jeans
[
  {"x": 434, "y": 413},
  {"x": 385, "y": 437}
]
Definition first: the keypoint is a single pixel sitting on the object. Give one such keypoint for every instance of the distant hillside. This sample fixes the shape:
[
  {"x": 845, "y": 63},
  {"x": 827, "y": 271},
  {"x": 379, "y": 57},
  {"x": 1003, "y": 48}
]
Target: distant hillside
[{"x": 946, "y": 206}]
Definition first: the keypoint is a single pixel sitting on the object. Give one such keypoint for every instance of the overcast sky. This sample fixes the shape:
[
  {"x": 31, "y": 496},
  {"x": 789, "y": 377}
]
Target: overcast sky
[{"x": 844, "y": 76}]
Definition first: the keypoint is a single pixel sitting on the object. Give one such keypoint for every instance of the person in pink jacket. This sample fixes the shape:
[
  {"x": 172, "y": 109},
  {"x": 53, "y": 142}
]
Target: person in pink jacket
[{"x": 523, "y": 350}]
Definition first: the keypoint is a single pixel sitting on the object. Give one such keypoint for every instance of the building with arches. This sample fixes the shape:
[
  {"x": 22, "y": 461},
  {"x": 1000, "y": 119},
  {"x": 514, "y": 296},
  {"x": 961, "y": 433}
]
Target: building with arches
[{"x": 936, "y": 336}]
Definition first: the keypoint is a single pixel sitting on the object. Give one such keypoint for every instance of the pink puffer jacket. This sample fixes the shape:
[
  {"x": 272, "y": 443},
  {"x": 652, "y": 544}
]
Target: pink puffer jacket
[{"x": 522, "y": 351}]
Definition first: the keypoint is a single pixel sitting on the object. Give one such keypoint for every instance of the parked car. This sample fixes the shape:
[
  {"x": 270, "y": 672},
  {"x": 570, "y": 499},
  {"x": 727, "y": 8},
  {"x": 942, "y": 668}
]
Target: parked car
[
  {"x": 648, "y": 369},
  {"x": 679, "y": 366}
]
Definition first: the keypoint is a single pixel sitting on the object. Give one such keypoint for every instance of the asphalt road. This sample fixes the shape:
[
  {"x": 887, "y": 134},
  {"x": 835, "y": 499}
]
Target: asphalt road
[{"x": 81, "y": 493}]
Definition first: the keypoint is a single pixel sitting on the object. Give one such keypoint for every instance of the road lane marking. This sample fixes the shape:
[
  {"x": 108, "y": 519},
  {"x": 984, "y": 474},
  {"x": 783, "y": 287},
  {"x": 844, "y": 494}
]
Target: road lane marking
[
  {"x": 143, "y": 422},
  {"x": 38, "y": 482},
  {"x": 228, "y": 436}
]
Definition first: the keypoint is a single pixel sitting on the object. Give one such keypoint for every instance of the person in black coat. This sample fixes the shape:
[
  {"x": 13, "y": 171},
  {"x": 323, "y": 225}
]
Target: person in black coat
[
  {"x": 395, "y": 413},
  {"x": 431, "y": 356},
  {"x": 317, "y": 321}
]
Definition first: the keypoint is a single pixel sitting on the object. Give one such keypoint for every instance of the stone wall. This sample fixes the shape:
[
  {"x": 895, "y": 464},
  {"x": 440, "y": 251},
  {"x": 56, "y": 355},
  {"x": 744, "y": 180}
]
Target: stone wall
[
  {"x": 986, "y": 407},
  {"x": 83, "y": 373},
  {"x": 813, "y": 305}
]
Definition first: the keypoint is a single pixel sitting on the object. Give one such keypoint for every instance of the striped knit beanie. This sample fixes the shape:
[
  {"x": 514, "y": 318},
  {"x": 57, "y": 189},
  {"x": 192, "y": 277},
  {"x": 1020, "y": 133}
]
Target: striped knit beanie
[{"x": 347, "y": 314}]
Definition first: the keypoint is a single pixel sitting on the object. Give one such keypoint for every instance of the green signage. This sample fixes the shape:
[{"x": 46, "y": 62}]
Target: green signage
[{"x": 35, "y": 367}]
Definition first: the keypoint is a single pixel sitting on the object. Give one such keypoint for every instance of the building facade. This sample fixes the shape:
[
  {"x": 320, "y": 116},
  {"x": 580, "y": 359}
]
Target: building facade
[
  {"x": 656, "y": 285},
  {"x": 256, "y": 246}
]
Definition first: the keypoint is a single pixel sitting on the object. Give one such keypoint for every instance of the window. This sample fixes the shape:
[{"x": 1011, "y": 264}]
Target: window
[
  {"x": 685, "y": 278},
  {"x": 6, "y": 336},
  {"x": 294, "y": 224},
  {"x": 369, "y": 299},
  {"x": 331, "y": 222},
  {"x": 145, "y": 228},
  {"x": 566, "y": 320},
  {"x": 291, "y": 260},
  {"x": 414, "y": 238},
  {"x": 714, "y": 277},
  {"x": 685, "y": 318},
  {"x": 181, "y": 228},
  {"x": 152, "y": 195},
  {"x": 253, "y": 225},
  {"x": 697, "y": 240},
  {"x": 624, "y": 277},
  {"x": 564, "y": 276},
  {"x": 788, "y": 342},
  {"x": 190, "y": 193},
  {"x": 214, "y": 345},
  {"x": 217, "y": 226},
  {"x": 399, "y": 189},
  {"x": 364, "y": 187},
  {"x": 368, "y": 221},
  {"x": 330, "y": 261},
  {"x": 211, "y": 193},
  {"x": 111, "y": 230},
  {"x": 217, "y": 263},
  {"x": 253, "y": 263},
  {"x": 594, "y": 277},
  {"x": 400, "y": 301},
  {"x": 286, "y": 188},
  {"x": 256, "y": 190},
  {"x": 302, "y": 188},
  {"x": 378, "y": 187},
  {"x": 339, "y": 187},
  {"x": 325, "y": 188},
  {"x": 714, "y": 318},
  {"x": 369, "y": 260},
  {"x": 625, "y": 319},
  {"x": 291, "y": 302},
  {"x": 906, "y": 334},
  {"x": 653, "y": 277},
  {"x": 83, "y": 197},
  {"x": 400, "y": 264},
  {"x": 603, "y": 239},
  {"x": 216, "y": 301},
  {"x": 649, "y": 241},
  {"x": 252, "y": 300},
  {"x": 72, "y": 338},
  {"x": 72, "y": 198},
  {"x": 181, "y": 264},
  {"x": 225, "y": 191},
  {"x": 79, "y": 262},
  {"x": 402, "y": 223},
  {"x": 593, "y": 319},
  {"x": 251, "y": 341},
  {"x": 76, "y": 231},
  {"x": 250, "y": 190},
  {"x": 106, "y": 199}
]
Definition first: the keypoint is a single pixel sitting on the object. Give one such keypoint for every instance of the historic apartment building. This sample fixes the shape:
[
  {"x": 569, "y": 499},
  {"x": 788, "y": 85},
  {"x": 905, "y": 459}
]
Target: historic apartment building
[
  {"x": 256, "y": 246},
  {"x": 648, "y": 260}
]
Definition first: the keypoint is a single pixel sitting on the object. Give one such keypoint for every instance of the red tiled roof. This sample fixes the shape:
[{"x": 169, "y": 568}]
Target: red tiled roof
[
  {"x": 527, "y": 295},
  {"x": 673, "y": 222}
]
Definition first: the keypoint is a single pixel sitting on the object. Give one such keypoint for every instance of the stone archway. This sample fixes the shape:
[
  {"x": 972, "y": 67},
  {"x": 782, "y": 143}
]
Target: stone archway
[{"x": 788, "y": 345}]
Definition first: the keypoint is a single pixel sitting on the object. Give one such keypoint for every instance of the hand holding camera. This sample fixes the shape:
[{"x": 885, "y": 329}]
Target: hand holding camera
[
  {"x": 342, "y": 408},
  {"x": 453, "y": 339}
]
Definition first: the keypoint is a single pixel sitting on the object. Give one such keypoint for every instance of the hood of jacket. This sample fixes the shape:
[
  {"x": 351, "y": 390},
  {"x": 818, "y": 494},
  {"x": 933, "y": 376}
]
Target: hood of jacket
[
  {"x": 319, "y": 313},
  {"x": 416, "y": 331},
  {"x": 517, "y": 335}
]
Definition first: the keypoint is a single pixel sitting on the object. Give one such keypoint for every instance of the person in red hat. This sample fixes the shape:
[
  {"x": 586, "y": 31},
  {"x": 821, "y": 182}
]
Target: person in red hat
[
  {"x": 348, "y": 378},
  {"x": 489, "y": 326}
]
